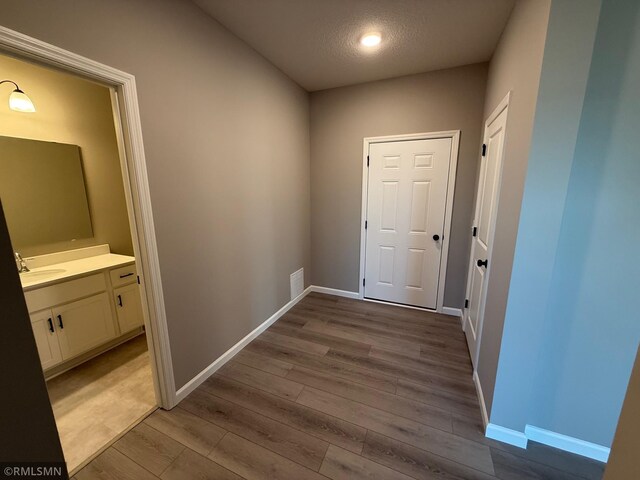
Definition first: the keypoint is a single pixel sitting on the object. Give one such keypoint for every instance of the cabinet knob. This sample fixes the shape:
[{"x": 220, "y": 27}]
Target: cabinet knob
[
  {"x": 50, "y": 324},
  {"x": 60, "y": 321},
  {"x": 119, "y": 300}
]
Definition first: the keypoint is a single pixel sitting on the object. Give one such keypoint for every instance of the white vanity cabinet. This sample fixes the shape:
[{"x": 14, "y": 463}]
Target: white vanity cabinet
[
  {"x": 79, "y": 314},
  {"x": 127, "y": 298},
  {"x": 83, "y": 325},
  {"x": 46, "y": 337},
  {"x": 68, "y": 330}
]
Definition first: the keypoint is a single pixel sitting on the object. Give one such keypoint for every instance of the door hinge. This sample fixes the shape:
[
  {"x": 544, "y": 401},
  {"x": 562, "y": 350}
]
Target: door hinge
[
  {"x": 363, "y": 282},
  {"x": 484, "y": 149},
  {"x": 366, "y": 224},
  {"x": 474, "y": 232},
  {"x": 367, "y": 160},
  {"x": 466, "y": 303}
]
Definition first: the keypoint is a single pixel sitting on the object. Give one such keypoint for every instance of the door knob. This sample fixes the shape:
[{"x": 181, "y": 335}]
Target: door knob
[
  {"x": 436, "y": 237},
  {"x": 483, "y": 263}
]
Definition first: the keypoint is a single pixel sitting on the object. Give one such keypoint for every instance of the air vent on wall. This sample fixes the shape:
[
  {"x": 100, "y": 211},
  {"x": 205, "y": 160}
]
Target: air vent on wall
[{"x": 297, "y": 283}]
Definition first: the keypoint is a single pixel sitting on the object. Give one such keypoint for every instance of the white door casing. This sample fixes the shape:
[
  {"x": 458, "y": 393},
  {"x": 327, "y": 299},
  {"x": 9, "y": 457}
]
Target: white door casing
[
  {"x": 133, "y": 164},
  {"x": 407, "y": 218},
  {"x": 484, "y": 224}
]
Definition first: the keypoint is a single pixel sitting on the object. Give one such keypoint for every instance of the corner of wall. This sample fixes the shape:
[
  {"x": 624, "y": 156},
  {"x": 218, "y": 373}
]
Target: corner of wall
[{"x": 567, "y": 57}]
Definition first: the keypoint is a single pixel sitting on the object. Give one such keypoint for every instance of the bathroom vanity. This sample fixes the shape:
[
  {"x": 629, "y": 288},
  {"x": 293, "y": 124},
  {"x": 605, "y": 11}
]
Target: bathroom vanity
[{"x": 81, "y": 303}]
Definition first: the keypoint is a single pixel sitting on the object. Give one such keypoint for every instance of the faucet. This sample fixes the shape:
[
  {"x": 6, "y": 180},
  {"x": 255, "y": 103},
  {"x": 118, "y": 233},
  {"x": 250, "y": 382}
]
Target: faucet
[{"x": 21, "y": 264}]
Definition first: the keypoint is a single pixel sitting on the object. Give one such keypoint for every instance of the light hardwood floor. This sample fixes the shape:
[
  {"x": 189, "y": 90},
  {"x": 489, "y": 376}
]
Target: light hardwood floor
[
  {"x": 97, "y": 401},
  {"x": 337, "y": 389}
]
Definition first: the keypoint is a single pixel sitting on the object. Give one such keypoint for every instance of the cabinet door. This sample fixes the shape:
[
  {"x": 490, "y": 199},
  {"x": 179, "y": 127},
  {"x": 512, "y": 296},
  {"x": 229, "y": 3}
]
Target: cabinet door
[
  {"x": 128, "y": 307},
  {"x": 46, "y": 338},
  {"x": 84, "y": 324}
]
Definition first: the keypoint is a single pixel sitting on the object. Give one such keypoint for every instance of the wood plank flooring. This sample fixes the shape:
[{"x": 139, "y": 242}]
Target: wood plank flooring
[{"x": 336, "y": 389}]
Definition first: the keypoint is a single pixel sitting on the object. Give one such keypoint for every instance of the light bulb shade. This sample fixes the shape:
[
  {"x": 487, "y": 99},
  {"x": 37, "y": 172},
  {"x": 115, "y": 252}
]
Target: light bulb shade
[{"x": 19, "y": 102}]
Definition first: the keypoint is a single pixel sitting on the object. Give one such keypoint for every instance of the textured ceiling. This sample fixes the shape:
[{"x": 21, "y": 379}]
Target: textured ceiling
[{"x": 316, "y": 42}]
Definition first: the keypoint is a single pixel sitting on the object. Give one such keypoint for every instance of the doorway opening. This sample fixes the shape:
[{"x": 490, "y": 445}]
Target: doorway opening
[
  {"x": 484, "y": 224},
  {"x": 75, "y": 194},
  {"x": 407, "y": 202}
]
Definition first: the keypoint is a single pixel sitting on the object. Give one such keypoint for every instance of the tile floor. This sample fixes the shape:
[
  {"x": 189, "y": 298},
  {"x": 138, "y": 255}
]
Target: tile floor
[{"x": 98, "y": 400}]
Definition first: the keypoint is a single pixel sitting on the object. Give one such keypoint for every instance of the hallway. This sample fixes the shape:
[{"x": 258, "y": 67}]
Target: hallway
[{"x": 336, "y": 388}]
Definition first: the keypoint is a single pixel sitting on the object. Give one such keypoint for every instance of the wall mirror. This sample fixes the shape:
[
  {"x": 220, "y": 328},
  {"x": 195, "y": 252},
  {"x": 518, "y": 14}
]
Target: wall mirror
[{"x": 43, "y": 192}]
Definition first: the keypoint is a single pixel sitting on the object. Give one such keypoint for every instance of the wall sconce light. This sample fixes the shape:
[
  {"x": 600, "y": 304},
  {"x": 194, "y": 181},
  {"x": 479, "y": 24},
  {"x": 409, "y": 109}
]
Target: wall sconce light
[{"x": 18, "y": 100}]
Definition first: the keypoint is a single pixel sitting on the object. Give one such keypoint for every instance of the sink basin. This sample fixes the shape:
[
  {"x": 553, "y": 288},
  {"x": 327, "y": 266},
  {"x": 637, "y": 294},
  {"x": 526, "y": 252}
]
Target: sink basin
[{"x": 41, "y": 274}]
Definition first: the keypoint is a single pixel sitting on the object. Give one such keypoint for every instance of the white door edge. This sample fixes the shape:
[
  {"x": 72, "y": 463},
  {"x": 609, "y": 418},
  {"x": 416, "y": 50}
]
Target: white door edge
[
  {"x": 502, "y": 106},
  {"x": 454, "y": 135}
]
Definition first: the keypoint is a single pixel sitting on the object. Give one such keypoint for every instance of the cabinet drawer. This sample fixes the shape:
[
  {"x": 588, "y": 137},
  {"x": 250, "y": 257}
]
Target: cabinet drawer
[
  {"x": 65, "y": 292},
  {"x": 123, "y": 275}
]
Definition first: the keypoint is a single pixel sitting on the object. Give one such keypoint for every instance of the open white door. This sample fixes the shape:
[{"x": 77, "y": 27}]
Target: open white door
[
  {"x": 484, "y": 225},
  {"x": 408, "y": 183}
]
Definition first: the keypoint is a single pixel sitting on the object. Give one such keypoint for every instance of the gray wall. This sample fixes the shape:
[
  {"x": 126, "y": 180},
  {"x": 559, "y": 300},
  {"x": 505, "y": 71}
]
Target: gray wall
[
  {"x": 76, "y": 111},
  {"x": 227, "y": 143},
  {"x": 580, "y": 347},
  {"x": 450, "y": 99},
  {"x": 597, "y": 261},
  {"x": 28, "y": 431},
  {"x": 563, "y": 83},
  {"x": 515, "y": 66}
]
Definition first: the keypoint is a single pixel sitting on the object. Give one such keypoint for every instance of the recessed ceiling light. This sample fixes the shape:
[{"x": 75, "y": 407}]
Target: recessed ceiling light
[{"x": 371, "y": 39}]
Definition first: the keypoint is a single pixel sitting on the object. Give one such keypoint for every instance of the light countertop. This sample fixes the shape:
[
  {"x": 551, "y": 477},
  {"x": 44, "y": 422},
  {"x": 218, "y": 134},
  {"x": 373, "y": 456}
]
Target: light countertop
[{"x": 60, "y": 272}]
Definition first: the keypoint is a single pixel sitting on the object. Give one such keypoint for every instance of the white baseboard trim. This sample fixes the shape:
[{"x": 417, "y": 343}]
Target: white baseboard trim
[
  {"x": 483, "y": 407},
  {"x": 334, "y": 291},
  {"x": 506, "y": 435},
  {"x": 547, "y": 437},
  {"x": 454, "y": 312},
  {"x": 566, "y": 443},
  {"x": 196, "y": 381}
]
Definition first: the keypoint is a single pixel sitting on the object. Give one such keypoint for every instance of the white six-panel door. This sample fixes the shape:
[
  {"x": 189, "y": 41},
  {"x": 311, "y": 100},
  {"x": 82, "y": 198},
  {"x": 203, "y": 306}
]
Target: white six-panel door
[
  {"x": 406, "y": 206},
  {"x": 484, "y": 226}
]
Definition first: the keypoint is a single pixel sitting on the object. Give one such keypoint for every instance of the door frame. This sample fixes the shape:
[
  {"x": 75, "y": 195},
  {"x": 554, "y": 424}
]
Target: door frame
[
  {"x": 454, "y": 135},
  {"x": 136, "y": 187},
  {"x": 502, "y": 106}
]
